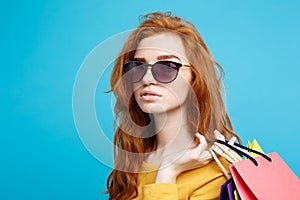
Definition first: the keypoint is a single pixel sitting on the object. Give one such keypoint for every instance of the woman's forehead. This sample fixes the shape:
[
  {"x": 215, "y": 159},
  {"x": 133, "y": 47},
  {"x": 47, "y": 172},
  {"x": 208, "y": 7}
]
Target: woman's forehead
[{"x": 161, "y": 44}]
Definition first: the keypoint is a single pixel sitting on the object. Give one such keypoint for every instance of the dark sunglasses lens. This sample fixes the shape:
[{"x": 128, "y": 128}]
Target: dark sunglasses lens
[
  {"x": 134, "y": 71},
  {"x": 165, "y": 71}
]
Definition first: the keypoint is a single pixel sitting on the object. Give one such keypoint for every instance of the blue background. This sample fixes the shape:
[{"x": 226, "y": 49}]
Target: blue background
[{"x": 43, "y": 44}]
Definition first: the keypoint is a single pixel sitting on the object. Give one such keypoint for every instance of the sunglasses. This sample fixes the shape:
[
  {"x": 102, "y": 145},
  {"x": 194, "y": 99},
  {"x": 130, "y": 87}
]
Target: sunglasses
[{"x": 162, "y": 71}]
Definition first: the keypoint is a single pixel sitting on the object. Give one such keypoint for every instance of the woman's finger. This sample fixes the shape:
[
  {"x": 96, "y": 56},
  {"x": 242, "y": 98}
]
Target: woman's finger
[
  {"x": 232, "y": 140},
  {"x": 203, "y": 144},
  {"x": 219, "y": 135},
  {"x": 203, "y": 155}
]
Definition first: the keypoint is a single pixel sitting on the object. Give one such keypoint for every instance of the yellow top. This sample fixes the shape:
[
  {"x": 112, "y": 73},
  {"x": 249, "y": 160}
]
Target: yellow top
[{"x": 202, "y": 183}]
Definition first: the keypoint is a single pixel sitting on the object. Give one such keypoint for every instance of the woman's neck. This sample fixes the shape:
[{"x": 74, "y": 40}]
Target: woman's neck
[{"x": 172, "y": 133}]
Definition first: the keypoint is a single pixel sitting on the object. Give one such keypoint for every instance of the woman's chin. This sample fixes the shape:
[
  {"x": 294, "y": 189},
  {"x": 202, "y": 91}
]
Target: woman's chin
[{"x": 153, "y": 109}]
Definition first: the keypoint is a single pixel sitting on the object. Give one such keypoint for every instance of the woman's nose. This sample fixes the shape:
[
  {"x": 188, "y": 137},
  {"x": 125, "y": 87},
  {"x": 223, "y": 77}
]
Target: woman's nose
[{"x": 148, "y": 77}]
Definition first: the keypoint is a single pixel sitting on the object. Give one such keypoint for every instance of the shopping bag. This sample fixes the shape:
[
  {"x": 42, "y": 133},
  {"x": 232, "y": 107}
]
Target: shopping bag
[
  {"x": 227, "y": 189},
  {"x": 254, "y": 145},
  {"x": 268, "y": 180},
  {"x": 264, "y": 177},
  {"x": 236, "y": 195},
  {"x": 224, "y": 191}
]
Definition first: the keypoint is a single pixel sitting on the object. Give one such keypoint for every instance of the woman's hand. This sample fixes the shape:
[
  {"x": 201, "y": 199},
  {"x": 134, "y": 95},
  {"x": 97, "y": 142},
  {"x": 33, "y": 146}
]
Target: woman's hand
[
  {"x": 219, "y": 136},
  {"x": 194, "y": 157}
]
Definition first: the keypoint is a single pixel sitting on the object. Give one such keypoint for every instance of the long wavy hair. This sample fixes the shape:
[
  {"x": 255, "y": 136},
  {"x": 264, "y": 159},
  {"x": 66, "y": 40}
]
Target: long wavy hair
[{"x": 206, "y": 108}]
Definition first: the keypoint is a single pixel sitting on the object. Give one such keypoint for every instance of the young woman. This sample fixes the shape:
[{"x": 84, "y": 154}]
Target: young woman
[{"x": 168, "y": 105}]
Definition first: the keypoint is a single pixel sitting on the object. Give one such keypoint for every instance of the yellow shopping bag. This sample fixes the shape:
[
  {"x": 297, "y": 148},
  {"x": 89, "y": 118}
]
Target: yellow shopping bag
[{"x": 255, "y": 146}]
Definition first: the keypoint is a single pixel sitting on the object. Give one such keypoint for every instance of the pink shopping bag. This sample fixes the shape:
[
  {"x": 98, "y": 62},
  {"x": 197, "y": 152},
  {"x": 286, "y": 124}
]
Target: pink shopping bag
[{"x": 267, "y": 181}]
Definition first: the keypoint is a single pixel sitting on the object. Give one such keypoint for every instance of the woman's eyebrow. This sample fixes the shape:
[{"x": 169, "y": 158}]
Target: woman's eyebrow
[
  {"x": 163, "y": 57},
  {"x": 139, "y": 59}
]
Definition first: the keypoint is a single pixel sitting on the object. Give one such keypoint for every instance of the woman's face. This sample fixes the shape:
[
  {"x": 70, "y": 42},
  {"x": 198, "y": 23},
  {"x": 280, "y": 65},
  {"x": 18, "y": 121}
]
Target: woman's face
[{"x": 151, "y": 95}]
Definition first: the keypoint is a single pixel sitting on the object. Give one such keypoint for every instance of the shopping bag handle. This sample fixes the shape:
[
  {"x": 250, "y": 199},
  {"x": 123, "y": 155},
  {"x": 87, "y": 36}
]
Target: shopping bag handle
[
  {"x": 254, "y": 151},
  {"x": 243, "y": 153}
]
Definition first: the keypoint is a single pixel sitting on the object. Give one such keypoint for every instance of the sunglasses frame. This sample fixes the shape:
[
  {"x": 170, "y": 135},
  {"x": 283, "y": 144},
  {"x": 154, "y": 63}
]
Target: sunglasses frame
[{"x": 146, "y": 66}]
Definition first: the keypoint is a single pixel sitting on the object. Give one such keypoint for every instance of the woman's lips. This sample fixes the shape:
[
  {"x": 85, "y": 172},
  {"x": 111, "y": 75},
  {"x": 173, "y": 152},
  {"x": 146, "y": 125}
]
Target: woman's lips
[{"x": 149, "y": 96}]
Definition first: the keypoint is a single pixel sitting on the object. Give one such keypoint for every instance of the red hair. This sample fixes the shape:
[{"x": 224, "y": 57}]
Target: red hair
[{"x": 206, "y": 106}]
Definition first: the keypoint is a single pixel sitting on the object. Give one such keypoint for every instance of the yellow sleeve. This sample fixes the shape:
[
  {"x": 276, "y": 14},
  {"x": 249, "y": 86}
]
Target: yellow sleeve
[
  {"x": 165, "y": 191},
  {"x": 209, "y": 191},
  {"x": 198, "y": 184},
  {"x": 214, "y": 179},
  {"x": 161, "y": 191}
]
